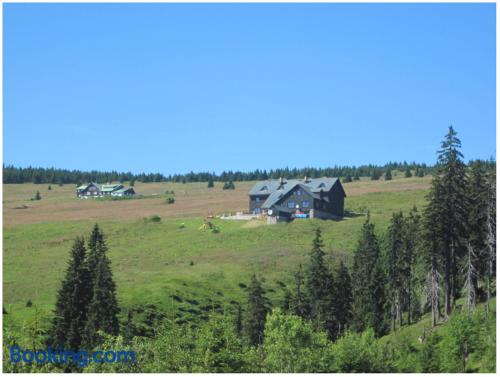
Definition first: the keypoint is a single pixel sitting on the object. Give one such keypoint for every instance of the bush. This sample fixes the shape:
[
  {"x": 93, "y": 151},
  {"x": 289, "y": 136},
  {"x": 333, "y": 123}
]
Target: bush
[
  {"x": 37, "y": 196},
  {"x": 228, "y": 186},
  {"x": 359, "y": 353},
  {"x": 170, "y": 200},
  {"x": 291, "y": 345},
  {"x": 375, "y": 176},
  {"x": 152, "y": 219},
  {"x": 347, "y": 179}
]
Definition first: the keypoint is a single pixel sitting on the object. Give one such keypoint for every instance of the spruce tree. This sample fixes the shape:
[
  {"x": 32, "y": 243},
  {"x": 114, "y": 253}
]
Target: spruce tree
[
  {"x": 388, "y": 175},
  {"x": 255, "y": 315},
  {"x": 210, "y": 182},
  {"x": 477, "y": 195},
  {"x": 368, "y": 282},
  {"x": 238, "y": 321},
  {"x": 433, "y": 244},
  {"x": 300, "y": 303},
  {"x": 490, "y": 239},
  {"x": 451, "y": 177},
  {"x": 318, "y": 283},
  {"x": 72, "y": 302},
  {"x": 342, "y": 299},
  {"x": 395, "y": 241},
  {"x": 409, "y": 260},
  {"x": 103, "y": 309}
]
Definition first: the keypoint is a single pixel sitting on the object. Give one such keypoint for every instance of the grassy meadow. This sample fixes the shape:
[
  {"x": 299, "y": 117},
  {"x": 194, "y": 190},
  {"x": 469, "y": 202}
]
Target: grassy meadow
[{"x": 181, "y": 269}]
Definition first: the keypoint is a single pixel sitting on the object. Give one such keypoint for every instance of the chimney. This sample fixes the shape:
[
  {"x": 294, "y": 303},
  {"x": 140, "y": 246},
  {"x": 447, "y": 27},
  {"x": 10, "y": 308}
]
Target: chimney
[
  {"x": 305, "y": 179},
  {"x": 281, "y": 183}
]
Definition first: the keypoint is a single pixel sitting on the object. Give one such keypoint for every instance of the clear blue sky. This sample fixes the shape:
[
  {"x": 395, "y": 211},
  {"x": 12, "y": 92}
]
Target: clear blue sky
[{"x": 180, "y": 87}]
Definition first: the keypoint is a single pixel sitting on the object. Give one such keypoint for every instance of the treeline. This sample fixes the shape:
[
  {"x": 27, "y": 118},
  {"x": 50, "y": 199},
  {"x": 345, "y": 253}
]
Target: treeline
[
  {"x": 353, "y": 172},
  {"x": 12, "y": 174}
]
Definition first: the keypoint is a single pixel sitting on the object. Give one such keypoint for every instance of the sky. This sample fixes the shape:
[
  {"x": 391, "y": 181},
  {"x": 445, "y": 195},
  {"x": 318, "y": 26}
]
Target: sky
[{"x": 174, "y": 88}]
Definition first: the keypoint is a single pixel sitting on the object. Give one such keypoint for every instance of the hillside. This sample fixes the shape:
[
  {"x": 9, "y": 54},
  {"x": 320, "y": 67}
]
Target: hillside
[{"x": 168, "y": 265}]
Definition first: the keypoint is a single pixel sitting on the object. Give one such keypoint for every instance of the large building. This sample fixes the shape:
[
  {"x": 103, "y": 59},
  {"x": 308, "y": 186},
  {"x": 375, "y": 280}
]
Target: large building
[
  {"x": 284, "y": 200},
  {"x": 92, "y": 190}
]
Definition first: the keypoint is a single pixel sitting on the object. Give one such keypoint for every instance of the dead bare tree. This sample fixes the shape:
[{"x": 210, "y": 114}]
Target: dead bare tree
[
  {"x": 432, "y": 287},
  {"x": 490, "y": 241},
  {"x": 470, "y": 275}
]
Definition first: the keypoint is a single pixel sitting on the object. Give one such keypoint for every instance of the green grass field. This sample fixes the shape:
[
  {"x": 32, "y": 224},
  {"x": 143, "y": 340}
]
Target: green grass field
[{"x": 154, "y": 261}]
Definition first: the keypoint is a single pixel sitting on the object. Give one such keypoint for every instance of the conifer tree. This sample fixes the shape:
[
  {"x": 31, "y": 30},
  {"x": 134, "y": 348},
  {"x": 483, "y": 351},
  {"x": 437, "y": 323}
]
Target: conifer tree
[
  {"x": 70, "y": 312},
  {"x": 255, "y": 315},
  {"x": 490, "y": 239},
  {"x": 210, "y": 182},
  {"x": 451, "y": 173},
  {"x": 412, "y": 234},
  {"x": 368, "y": 282},
  {"x": 300, "y": 303},
  {"x": 394, "y": 262},
  {"x": 318, "y": 284},
  {"x": 388, "y": 175},
  {"x": 238, "y": 321},
  {"x": 103, "y": 309},
  {"x": 433, "y": 244},
  {"x": 408, "y": 173},
  {"x": 477, "y": 210},
  {"x": 342, "y": 299}
]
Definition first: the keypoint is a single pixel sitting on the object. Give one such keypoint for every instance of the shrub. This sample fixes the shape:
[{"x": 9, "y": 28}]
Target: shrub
[
  {"x": 228, "y": 186},
  {"x": 170, "y": 200},
  {"x": 152, "y": 219}
]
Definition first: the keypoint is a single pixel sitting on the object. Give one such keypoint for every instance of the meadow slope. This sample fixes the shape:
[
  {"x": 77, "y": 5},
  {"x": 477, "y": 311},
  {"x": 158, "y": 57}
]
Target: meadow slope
[{"x": 172, "y": 266}]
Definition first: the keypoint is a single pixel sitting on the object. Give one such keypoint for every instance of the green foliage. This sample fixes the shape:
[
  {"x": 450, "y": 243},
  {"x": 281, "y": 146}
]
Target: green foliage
[
  {"x": 37, "y": 196},
  {"x": 388, "y": 175},
  {"x": 219, "y": 348},
  {"x": 70, "y": 314},
  {"x": 49, "y": 188},
  {"x": 359, "y": 353},
  {"x": 408, "y": 173},
  {"x": 210, "y": 182},
  {"x": 375, "y": 175},
  {"x": 368, "y": 282},
  {"x": 291, "y": 345},
  {"x": 461, "y": 340},
  {"x": 255, "y": 315},
  {"x": 170, "y": 200},
  {"x": 152, "y": 219},
  {"x": 228, "y": 186},
  {"x": 347, "y": 179}
]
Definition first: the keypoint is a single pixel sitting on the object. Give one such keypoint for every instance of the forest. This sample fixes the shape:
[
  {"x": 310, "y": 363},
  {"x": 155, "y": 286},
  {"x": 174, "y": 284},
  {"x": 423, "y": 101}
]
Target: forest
[
  {"x": 12, "y": 174},
  {"x": 438, "y": 261}
]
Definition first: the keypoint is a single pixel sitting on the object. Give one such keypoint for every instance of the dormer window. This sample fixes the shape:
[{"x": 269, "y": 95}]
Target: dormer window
[
  {"x": 321, "y": 185},
  {"x": 264, "y": 188}
]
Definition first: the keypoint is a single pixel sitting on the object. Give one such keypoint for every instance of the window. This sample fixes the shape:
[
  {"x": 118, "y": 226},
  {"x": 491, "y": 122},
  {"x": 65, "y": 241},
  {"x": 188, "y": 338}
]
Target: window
[
  {"x": 256, "y": 211},
  {"x": 298, "y": 192},
  {"x": 264, "y": 188},
  {"x": 257, "y": 200},
  {"x": 305, "y": 204},
  {"x": 291, "y": 204}
]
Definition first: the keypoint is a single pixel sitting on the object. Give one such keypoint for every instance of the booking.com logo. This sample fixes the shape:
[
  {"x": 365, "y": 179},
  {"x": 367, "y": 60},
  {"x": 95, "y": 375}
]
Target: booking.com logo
[{"x": 61, "y": 356}]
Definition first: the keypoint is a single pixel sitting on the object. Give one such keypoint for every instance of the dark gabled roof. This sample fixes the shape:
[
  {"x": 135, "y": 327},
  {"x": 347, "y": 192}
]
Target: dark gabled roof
[
  {"x": 314, "y": 185},
  {"x": 278, "y": 194},
  {"x": 84, "y": 187}
]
